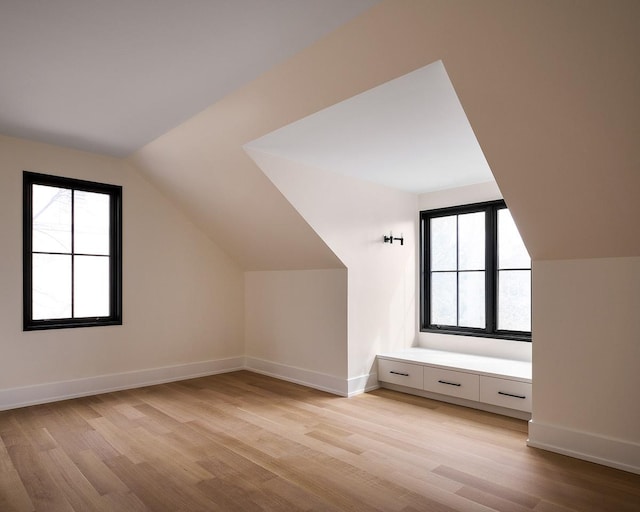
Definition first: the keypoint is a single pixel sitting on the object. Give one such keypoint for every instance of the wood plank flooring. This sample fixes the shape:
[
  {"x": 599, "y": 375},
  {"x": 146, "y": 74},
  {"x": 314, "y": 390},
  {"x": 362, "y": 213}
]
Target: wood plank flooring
[{"x": 243, "y": 441}]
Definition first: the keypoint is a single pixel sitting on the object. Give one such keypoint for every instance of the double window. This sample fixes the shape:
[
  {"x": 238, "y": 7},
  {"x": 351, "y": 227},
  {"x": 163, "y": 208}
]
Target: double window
[
  {"x": 72, "y": 266},
  {"x": 475, "y": 273}
]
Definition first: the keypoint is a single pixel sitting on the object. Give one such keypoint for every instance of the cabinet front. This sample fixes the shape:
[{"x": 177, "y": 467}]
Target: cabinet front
[
  {"x": 506, "y": 393},
  {"x": 404, "y": 374},
  {"x": 453, "y": 383}
]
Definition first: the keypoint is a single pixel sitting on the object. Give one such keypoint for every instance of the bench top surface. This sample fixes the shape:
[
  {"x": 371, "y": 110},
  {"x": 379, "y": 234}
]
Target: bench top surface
[{"x": 492, "y": 366}]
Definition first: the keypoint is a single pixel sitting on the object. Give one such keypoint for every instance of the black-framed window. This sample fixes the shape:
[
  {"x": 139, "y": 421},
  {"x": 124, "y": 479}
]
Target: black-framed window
[
  {"x": 475, "y": 273},
  {"x": 72, "y": 252}
]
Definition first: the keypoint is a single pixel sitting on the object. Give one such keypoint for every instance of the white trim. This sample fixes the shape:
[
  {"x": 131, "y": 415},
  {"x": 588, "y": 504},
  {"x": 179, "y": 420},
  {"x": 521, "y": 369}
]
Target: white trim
[
  {"x": 607, "y": 451},
  {"x": 63, "y": 390},
  {"x": 309, "y": 378},
  {"x": 13, "y": 398},
  {"x": 362, "y": 384}
]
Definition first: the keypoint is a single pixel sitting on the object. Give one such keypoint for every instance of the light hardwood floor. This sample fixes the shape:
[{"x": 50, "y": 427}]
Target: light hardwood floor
[{"x": 243, "y": 441}]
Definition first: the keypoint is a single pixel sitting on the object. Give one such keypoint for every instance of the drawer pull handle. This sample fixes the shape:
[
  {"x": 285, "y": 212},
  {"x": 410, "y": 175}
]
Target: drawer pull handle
[
  {"x": 399, "y": 373},
  {"x": 512, "y": 395},
  {"x": 449, "y": 383}
]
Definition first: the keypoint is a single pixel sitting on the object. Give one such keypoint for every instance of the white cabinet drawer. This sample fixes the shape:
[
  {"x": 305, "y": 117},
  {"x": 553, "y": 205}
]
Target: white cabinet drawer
[
  {"x": 506, "y": 393},
  {"x": 404, "y": 374},
  {"x": 449, "y": 382}
]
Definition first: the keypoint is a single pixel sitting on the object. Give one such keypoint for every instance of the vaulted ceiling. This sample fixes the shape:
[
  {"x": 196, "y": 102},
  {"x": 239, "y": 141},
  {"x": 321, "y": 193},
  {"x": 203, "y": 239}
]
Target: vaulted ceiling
[
  {"x": 111, "y": 76},
  {"x": 549, "y": 88}
]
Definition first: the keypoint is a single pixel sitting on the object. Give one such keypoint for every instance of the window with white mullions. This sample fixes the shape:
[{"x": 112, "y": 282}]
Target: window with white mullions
[
  {"x": 476, "y": 272},
  {"x": 72, "y": 252}
]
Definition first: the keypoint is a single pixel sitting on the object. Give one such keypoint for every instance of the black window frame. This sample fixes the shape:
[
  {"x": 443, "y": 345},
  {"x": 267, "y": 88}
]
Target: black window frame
[
  {"x": 491, "y": 209},
  {"x": 115, "y": 252}
]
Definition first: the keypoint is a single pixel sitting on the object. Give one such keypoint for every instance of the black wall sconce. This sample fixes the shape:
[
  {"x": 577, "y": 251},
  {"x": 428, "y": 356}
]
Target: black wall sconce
[{"x": 389, "y": 239}]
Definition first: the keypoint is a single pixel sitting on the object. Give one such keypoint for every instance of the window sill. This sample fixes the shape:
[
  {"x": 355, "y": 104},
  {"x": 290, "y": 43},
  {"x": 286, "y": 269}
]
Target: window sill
[{"x": 480, "y": 334}]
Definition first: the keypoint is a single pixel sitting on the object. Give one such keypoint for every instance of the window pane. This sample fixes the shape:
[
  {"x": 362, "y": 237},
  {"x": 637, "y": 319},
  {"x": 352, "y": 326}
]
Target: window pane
[
  {"x": 514, "y": 300},
  {"x": 471, "y": 244},
  {"x": 512, "y": 252},
  {"x": 91, "y": 223},
  {"x": 91, "y": 286},
  {"x": 51, "y": 219},
  {"x": 444, "y": 298},
  {"x": 443, "y": 243},
  {"x": 472, "y": 307},
  {"x": 51, "y": 286}
]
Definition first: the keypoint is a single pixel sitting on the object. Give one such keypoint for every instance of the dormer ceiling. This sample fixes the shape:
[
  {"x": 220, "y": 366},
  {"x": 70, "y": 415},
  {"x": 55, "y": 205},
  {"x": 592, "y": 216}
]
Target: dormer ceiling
[
  {"x": 410, "y": 133},
  {"x": 550, "y": 89}
]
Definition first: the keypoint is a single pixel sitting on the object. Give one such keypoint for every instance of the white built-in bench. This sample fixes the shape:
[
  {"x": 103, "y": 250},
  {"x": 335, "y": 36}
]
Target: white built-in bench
[{"x": 493, "y": 384}]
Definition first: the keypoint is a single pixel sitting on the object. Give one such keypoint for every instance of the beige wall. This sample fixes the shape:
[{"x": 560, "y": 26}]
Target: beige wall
[
  {"x": 587, "y": 347},
  {"x": 182, "y": 296},
  {"x": 297, "y": 320},
  {"x": 351, "y": 217}
]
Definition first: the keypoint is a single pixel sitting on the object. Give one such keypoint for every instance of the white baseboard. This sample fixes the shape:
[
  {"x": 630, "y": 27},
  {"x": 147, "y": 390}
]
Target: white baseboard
[
  {"x": 63, "y": 390},
  {"x": 615, "y": 453},
  {"x": 309, "y": 378},
  {"x": 13, "y": 398},
  {"x": 362, "y": 384}
]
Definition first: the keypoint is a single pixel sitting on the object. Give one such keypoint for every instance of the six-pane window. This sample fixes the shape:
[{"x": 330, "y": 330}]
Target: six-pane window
[
  {"x": 72, "y": 252},
  {"x": 476, "y": 272}
]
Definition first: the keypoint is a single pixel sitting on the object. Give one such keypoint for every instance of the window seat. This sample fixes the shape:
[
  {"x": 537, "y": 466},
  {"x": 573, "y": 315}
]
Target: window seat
[{"x": 497, "y": 385}]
